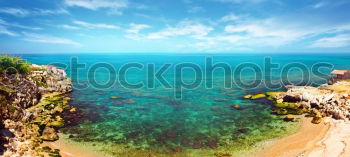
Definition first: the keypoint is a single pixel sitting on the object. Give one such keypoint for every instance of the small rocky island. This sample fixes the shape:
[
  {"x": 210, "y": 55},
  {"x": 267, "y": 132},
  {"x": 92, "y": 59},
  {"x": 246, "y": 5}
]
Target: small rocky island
[{"x": 32, "y": 98}]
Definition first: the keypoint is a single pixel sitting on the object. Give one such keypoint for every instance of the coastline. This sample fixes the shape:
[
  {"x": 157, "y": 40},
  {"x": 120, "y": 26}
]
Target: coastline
[
  {"x": 327, "y": 139},
  {"x": 304, "y": 140},
  {"x": 34, "y": 102},
  {"x": 70, "y": 150},
  {"x": 310, "y": 140}
]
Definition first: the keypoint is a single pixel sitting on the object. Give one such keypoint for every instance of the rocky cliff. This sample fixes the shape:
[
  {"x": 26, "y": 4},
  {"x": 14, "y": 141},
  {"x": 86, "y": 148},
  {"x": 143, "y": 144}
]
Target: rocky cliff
[{"x": 30, "y": 110}]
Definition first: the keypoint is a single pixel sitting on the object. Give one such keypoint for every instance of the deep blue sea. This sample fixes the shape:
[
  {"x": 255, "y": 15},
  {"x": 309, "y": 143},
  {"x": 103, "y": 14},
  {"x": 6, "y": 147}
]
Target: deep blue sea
[{"x": 137, "y": 115}]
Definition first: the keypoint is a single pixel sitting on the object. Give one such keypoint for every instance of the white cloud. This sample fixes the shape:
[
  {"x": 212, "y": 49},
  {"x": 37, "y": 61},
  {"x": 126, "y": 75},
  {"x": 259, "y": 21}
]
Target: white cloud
[
  {"x": 136, "y": 28},
  {"x": 35, "y": 12},
  {"x": 240, "y": 1},
  {"x": 94, "y": 26},
  {"x": 114, "y": 6},
  {"x": 15, "y": 11},
  {"x": 319, "y": 5},
  {"x": 42, "y": 38},
  {"x": 194, "y": 30},
  {"x": 342, "y": 40},
  {"x": 134, "y": 31},
  {"x": 42, "y": 12},
  {"x": 5, "y": 31},
  {"x": 230, "y": 17},
  {"x": 69, "y": 27},
  {"x": 2, "y": 22},
  {"x": 196, "y": 9},
  {"x": 265, "y": 34}
]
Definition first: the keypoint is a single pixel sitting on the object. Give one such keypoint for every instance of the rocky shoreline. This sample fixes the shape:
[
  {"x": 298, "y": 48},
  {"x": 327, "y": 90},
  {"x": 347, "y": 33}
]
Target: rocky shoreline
[
  {"x": 317, "y": 102},
  {"x": 31, "y": 105}
]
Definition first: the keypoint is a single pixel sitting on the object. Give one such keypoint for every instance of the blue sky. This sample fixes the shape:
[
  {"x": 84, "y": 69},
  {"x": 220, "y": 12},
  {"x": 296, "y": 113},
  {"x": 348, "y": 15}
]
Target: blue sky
[{"x": 178, "y": 26}]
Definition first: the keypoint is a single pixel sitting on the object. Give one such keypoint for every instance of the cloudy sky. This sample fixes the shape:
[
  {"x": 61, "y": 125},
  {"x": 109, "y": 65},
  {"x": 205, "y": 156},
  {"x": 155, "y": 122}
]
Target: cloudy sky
[{"x": 178, "y": 26}]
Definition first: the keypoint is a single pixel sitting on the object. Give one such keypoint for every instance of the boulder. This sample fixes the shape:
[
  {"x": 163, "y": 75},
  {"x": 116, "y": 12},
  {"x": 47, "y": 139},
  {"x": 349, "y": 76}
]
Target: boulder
[
  {"x": 49, "y": 134},
  {"x": 289, "y": 118}
]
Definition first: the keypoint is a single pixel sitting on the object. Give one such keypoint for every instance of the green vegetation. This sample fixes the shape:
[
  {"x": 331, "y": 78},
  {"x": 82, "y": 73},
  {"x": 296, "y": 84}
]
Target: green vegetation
[
  {"x": 254, "y": 97},
  {"x": 5, "y": 90},
  {"x": 258, "y": 96},
  {"x": 11, "y": 108},
  {"x": 13, "y": 65}
]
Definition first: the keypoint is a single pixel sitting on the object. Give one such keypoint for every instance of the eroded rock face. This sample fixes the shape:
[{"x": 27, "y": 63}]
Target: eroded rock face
[
  {"x": 52, "y": 78},
  {"x": 17, "y": 93},
  {"x": 27, "y": 105},
  {"x": 327, "y": 99}
]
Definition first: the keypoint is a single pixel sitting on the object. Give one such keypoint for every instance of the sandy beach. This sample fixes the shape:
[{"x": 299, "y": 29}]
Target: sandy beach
[
  {"x": 328, "y": 139},
  {"x": 69, "y": 150}
]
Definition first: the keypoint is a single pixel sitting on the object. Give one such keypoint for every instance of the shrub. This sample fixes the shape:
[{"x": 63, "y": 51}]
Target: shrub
[{"x": 13, "y": 65}]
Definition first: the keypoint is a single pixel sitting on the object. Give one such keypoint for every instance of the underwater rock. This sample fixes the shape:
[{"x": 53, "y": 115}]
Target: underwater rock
[
  {"x": 176, "y": 149},
  {"x": 286, "y": 105},
  {"x": 215, "y": 108},
  {"x": 237, "y": 107},
  {"x": 115, "y": 97},
  {"x": 129, "y": 101},
  {"x": 174, "y": 102},
  {"x": 273, "y": 94},
  {"x": 133, "y": 134},
  {"x": 289, "y": 118},
  {"x": 212, "y": 144},
  {"x": 221, "y": 100},
  {"x": 258, "y": 96},
  {"x": 171, "y": 133},
  {"x": 197, "y": 145},
  {"x": 280, "y": 111},
  {"x": 186, "y": 142},
  {"x": 242, "y": 130},
  {"x": 247, "y": 96},
  {"x": 118, "y": 104},
  {"x": 72, "y": 110}
]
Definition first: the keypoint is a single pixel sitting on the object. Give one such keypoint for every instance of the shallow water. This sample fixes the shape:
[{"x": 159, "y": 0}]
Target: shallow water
[{"x": 152, "y": 120}]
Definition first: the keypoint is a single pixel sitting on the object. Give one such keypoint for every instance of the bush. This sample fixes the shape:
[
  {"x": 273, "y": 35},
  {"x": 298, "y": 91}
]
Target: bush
[{"x": 13, "y": 65}]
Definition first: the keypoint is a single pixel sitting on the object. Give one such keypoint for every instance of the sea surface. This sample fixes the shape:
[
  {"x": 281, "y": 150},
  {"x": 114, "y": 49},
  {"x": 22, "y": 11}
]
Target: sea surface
[{"x": 121, "y": 120}]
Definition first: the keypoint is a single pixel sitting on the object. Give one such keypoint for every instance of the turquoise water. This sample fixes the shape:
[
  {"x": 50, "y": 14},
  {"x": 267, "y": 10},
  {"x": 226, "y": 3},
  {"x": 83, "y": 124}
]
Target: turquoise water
[{"x": 153, "y": 120}]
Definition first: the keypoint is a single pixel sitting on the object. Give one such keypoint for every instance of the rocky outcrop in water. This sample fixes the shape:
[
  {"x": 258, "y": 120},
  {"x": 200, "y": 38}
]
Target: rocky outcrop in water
[
  {"x": 30, "y": 110},
  {"x": 326, "y": 100}
]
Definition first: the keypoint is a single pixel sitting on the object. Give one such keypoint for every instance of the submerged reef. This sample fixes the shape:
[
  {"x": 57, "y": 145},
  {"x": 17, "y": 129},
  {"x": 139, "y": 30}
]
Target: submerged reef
[
  {"x": 31, "y": 105},
  {"x": 161, "y": 125}
]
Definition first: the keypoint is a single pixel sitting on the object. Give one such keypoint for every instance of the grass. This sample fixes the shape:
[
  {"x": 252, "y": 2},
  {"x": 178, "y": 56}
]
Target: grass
[{"x": 13, "y": 65}]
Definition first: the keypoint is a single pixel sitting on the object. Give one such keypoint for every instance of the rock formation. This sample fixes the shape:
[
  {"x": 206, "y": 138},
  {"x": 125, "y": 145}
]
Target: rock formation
[
  {"x": 30, "y": 106},
  {"x": 326, "y": 100}
]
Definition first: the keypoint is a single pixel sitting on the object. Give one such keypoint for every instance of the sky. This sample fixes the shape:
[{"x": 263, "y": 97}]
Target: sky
[{"x": 176, "y": 26}]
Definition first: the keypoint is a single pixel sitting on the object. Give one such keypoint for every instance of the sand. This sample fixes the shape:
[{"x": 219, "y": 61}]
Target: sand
[
  {"x": 290, "y": 146},
  {"x": 69, "y": 150},
  {"x": 336, "y": 143},
  {"x": 331, "y": 138}
]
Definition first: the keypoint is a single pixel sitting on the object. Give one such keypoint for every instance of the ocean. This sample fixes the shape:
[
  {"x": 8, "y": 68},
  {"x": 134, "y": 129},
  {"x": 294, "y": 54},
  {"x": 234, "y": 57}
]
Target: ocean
[{"x": 170, "y": 104}]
